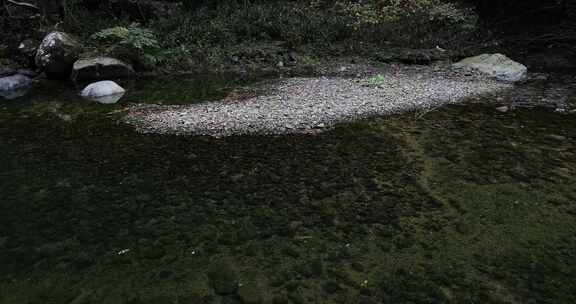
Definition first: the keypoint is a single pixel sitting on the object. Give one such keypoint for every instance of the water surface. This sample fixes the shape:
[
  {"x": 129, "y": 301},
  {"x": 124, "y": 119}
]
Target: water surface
[{"x": 464, "y": 204}]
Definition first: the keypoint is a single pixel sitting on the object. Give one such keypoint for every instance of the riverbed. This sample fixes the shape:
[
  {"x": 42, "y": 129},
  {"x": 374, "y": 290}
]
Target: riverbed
[{"x": 466, "y": 203}]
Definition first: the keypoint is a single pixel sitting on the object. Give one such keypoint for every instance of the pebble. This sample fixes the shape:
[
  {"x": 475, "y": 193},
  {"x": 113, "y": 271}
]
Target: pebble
[
  {"x": 298, "y": 105},
  {"x": 556, "y": 137}
]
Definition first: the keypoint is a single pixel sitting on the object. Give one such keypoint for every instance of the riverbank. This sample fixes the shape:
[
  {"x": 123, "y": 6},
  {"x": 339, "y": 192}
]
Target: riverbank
[{"x": 309, "y": 105}]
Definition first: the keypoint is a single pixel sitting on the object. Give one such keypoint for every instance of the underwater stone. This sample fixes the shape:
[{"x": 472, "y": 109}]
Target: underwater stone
[
  {"x": 331, "y": 287},
  {"x": 250, "y": 294},
  {"x": 223, "y": 278}
]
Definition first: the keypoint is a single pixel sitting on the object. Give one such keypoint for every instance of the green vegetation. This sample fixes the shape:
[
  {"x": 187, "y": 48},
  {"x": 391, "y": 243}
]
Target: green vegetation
[
  {"x": 213, "y": 34},
  {"x": 376, "y": 81}
]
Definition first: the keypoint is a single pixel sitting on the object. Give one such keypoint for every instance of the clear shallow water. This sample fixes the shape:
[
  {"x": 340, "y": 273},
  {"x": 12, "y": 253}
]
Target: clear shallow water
[{"x": 461, "y": 205}]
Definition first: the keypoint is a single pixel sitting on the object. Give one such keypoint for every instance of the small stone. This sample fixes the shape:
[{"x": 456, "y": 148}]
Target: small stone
[
  {"x": 250, "y": 294},
  {"x": 296, "y": 297},
  {"x": 502, "y": 109},
  {"x": 556, "y": 137},
  {"x": 331, "y": 287},
  {"x": 223, "y": 278}
]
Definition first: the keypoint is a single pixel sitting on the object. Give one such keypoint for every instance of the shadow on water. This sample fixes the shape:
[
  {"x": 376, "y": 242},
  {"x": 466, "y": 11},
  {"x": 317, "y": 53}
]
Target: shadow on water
[{"x": 461, "y": 205}]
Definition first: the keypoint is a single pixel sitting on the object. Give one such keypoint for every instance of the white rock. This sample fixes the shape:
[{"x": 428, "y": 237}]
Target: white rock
[
  {"x": 106, "y": 92},
  {"x": 495, "y": 65}
]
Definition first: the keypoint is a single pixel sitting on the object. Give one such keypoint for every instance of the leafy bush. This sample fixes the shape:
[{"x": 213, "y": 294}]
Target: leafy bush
[
  {"x": 402, "y": 22},
  {"x": 415, "y": 22},
  {"x": 132, "y": 36},
  {"x": 331, "y": 26},
  {"x": 133, "y": 42}
]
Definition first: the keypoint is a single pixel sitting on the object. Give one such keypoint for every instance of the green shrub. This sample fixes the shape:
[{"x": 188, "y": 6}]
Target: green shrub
[
  {"x": 207, "y": 33},
  {"x": 412, "y": 22},
  {"x": 132, "y": 36}
]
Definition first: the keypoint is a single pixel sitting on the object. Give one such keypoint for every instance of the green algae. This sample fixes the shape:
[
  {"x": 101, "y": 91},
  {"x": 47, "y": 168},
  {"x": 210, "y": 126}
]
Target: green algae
[{"x": 461, "y": 205}]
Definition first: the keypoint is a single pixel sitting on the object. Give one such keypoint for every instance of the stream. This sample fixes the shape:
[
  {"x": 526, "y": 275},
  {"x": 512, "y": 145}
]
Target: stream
[{"x": 462, "y": 204}]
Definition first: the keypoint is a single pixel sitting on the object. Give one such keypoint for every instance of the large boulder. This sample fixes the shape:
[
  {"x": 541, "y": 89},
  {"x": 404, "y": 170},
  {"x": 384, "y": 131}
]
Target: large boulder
[
  {"x": 106, "y": 92},
  {"x": 56, "y": 55},
  {"x": 14, "y": 86},
  {"x": 495, "y": 65},
  {"x": 100, "y": 68}
]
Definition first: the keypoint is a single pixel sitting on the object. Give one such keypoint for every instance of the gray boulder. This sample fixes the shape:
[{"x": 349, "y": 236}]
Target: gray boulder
[
  {"x": 495, "y": 65},
  {"x": 106, "y": 92},
  {"x": 14, "y": 86},
  {"x": 100, "y": 68},
  {"x": 56, "y": 55}
]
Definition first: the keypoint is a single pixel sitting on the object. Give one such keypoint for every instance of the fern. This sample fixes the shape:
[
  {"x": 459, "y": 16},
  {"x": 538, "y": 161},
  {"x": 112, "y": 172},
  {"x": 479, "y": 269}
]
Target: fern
[{"x": 133, "y": 36}]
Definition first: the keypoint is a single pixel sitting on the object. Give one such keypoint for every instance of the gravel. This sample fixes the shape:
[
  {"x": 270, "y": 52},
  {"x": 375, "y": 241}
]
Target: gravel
[{"x": 308, "y": 105}]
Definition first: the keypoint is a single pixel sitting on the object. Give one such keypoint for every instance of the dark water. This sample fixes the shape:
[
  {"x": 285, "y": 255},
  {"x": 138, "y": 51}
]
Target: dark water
[{"x": 461, "y": 205}]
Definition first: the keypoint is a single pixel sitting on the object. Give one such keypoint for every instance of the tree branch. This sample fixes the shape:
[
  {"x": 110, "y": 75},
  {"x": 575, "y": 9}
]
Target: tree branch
[{"x": 23, "y": 4}]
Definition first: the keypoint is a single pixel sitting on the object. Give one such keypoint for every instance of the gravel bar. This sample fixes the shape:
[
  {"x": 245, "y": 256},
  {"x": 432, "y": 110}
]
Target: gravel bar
[{"x": 306, "y": 105}]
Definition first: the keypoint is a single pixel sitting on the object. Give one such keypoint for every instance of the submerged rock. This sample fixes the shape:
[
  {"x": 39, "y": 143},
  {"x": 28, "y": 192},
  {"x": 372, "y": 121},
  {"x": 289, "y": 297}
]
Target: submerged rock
[
  {"x": 250, "y": 294},
  {"x": 57, "y": 54},
  {"x": 223, "y": 278},
  {"x": 495, "y": 65},
  {"x": 106, "y": 92},
  {"x": 14, "y": 86},
  {"x": 100, "y": 68}
]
